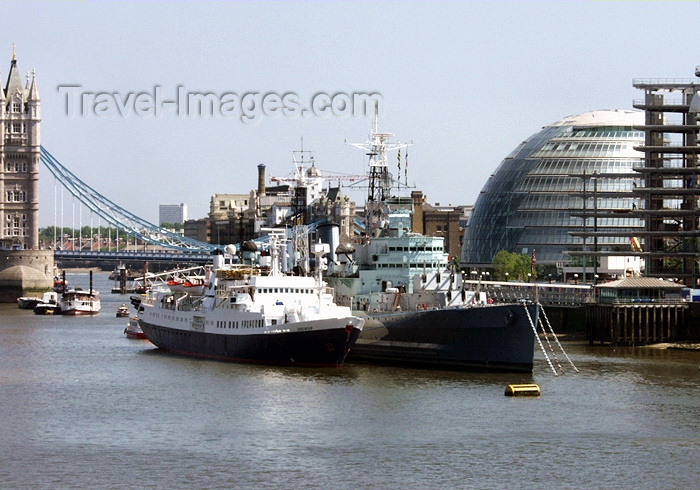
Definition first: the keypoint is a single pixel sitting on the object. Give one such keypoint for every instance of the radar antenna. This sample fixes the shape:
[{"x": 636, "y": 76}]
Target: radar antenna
[{"x": 380, "y": 179}]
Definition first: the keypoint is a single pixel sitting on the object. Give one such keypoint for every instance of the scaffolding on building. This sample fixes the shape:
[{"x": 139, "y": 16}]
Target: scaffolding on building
[{"x": 670, "y": 191}]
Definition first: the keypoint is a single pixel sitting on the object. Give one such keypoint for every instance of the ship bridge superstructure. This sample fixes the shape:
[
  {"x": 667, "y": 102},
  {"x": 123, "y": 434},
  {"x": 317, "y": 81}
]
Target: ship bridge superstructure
[{"x": 397, "y": 256}]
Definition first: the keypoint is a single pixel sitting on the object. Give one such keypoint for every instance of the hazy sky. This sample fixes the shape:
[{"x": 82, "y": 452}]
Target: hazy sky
[{"x": 466, "y": 82}]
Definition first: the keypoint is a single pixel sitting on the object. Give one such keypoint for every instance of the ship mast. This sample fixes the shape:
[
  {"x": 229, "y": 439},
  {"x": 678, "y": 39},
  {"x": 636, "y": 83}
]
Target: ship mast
[{"x": 380, "y": 179}]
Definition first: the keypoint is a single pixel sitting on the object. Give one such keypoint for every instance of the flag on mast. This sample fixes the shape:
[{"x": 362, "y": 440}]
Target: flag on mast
[{"x": 405, "y": 160}]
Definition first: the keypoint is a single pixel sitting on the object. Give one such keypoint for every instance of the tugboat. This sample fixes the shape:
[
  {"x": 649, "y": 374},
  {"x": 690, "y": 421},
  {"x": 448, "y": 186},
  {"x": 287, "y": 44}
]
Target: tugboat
[
  {"x": 48, "y": 304},
  {"x": 253, "y": 314}
]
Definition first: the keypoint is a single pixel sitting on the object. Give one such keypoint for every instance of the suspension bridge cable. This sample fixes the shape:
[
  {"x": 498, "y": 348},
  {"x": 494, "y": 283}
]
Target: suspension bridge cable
[{"x": 117, "y": 216}]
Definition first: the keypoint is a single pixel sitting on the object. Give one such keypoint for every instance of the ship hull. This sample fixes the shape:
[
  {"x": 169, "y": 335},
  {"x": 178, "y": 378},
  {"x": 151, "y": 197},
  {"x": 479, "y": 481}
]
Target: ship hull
[
  {"x": 313, "y": 347},
  {"x": 79, "y": 312},
  {"x": 491, "y": 338},
  {"x": 43, "y": 309}
]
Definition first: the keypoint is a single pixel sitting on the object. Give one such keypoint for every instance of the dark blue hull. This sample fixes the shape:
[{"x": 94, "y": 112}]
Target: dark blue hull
[
  {"x": 494, "y": 338},
  {"x": 327, "y": 347}
]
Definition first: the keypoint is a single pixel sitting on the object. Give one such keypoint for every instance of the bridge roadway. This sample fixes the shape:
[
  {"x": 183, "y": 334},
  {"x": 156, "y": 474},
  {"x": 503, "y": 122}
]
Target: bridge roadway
[{"x": 124, "y": 255}]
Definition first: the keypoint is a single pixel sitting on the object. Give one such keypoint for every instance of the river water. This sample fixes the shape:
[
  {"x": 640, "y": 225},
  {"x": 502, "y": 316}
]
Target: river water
[{"x": 82, "y": 406}]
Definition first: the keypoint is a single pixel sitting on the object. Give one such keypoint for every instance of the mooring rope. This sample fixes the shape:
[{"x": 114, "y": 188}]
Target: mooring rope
[
  {"x": 556, "y": 338},
  {"x": 546, "y": 337},
  {"x": 534, "y": 329}
]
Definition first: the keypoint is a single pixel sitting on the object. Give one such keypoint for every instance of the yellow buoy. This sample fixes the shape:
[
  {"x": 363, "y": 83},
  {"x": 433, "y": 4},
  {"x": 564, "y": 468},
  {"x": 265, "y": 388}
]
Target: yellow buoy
[{"x": 523, "y": 390}]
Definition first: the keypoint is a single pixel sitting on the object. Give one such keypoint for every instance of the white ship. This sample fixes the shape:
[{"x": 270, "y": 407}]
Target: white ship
[
  {"x": 254, "y": 314},
  {"x": 79, "y": 302}
]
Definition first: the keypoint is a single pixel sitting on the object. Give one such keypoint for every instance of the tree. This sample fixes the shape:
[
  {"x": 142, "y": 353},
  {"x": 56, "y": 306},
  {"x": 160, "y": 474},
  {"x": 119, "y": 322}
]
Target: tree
[
  {"x": 171, "y": 226},
  {"x": 517, "y": 266}
]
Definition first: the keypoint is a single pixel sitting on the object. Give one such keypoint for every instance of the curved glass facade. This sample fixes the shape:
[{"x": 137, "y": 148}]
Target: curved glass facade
[{"x": 534, "y": 199}]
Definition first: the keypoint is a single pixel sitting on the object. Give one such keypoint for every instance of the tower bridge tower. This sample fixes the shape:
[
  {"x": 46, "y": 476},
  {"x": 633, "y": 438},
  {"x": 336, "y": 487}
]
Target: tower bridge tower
[
  {"x": 24, "y": 269},
  {"x": 20, "y": 141}
]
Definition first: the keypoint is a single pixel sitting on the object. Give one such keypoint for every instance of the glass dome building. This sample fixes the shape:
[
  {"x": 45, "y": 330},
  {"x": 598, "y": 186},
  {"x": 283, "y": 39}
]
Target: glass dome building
[{"x": 538, "y": 196}]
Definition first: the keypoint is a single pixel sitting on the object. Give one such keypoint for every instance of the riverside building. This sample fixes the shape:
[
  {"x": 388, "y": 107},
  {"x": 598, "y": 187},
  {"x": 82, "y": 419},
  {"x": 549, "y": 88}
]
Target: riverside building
[
  {"x": 670, "y": 192},
  {"x": 566, "y": 193}
]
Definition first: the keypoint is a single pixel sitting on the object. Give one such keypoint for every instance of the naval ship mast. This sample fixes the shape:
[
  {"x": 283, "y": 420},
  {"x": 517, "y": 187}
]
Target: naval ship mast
[{"x": 380, "y": 179}]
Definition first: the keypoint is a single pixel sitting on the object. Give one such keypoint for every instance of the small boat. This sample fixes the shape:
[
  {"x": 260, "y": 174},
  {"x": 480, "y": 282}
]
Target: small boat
[
  {"x": 119, "y": 271},
  {"x": 59, "y": 283},
  {"x": 123, "y": 310},
  {"x": 48, "y": 304},
  {"x": 79, "y": 302},
  {"x": 133, "y": 330},
  {"x": 194, "y": 285},
  {"x": 27, "y": 302}
]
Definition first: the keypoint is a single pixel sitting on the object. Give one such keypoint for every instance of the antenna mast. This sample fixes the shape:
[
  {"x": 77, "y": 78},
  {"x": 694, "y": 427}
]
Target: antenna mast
[{"x": 380, "y": 179}]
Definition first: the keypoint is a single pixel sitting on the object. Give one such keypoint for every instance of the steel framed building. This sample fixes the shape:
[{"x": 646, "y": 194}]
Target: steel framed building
[{"x": 670, "y": 192}]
